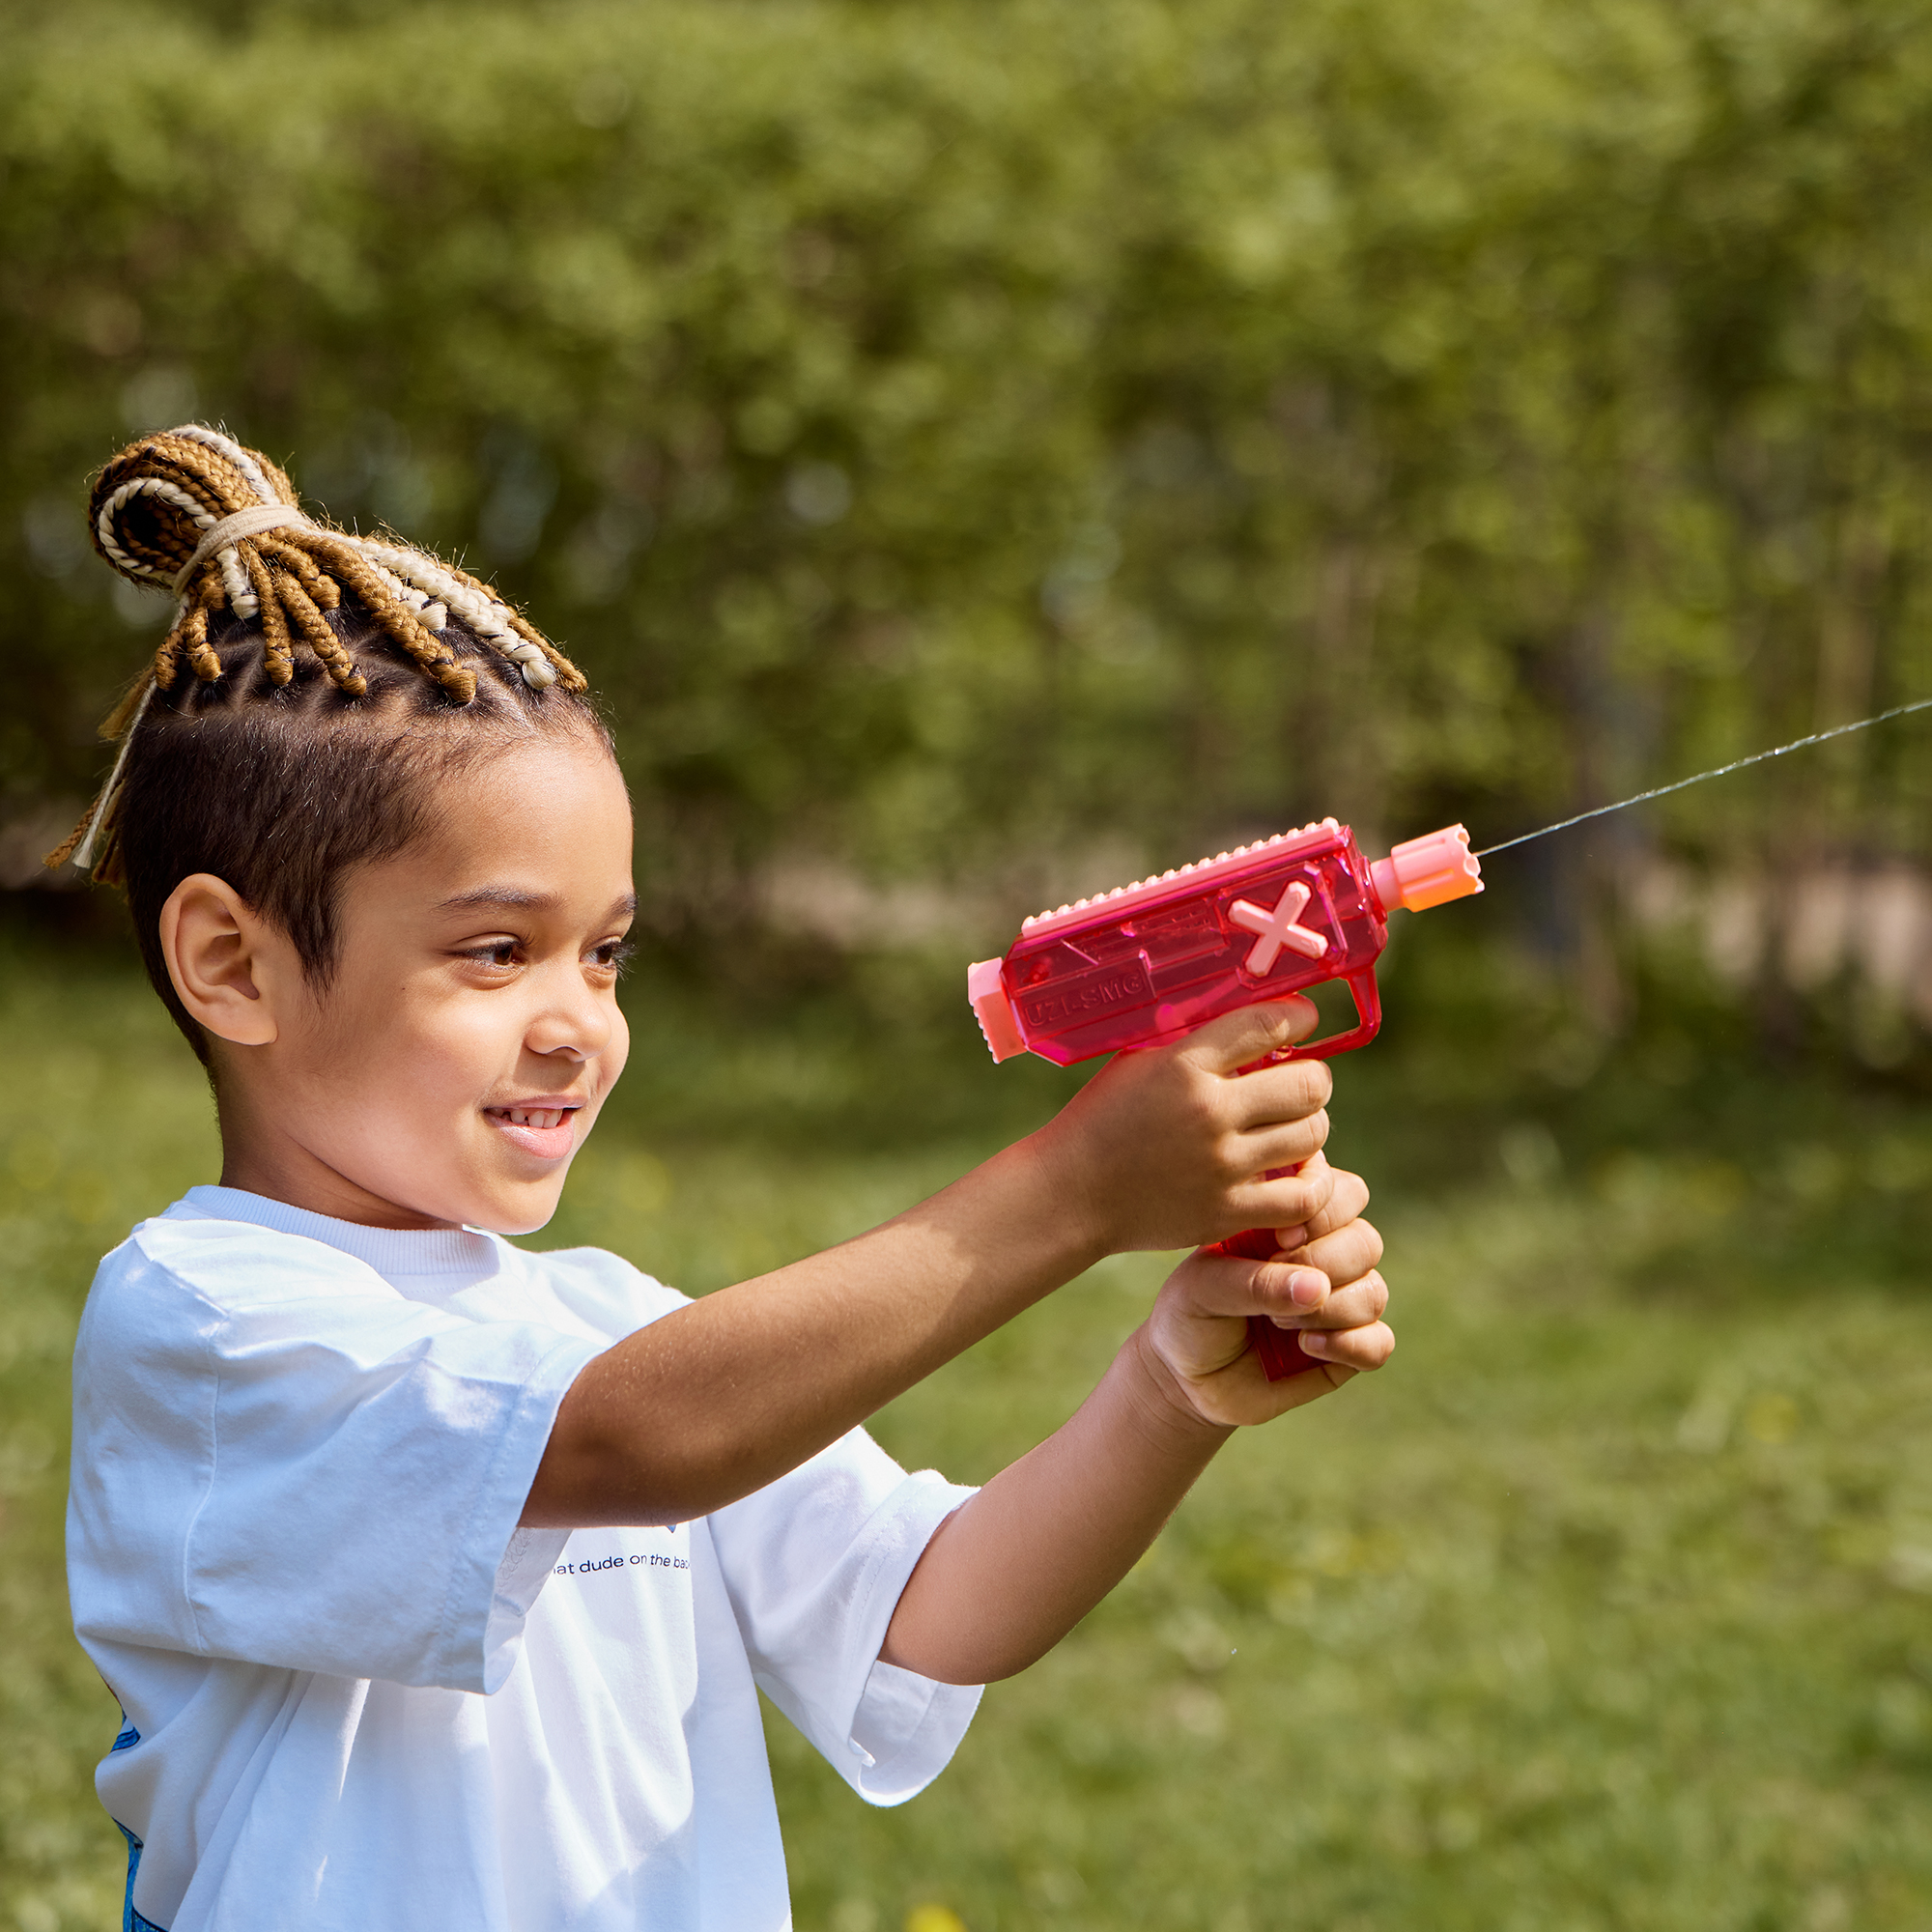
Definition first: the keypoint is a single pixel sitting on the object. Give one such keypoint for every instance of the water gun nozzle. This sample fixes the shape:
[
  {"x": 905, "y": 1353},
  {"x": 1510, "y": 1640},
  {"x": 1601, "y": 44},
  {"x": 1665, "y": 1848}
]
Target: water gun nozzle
[{"x": 1428, "y": 872}]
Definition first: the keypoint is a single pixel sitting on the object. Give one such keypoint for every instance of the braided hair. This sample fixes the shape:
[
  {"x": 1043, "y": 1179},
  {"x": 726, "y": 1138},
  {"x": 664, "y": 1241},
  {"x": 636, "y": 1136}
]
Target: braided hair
[
  {"x": 191, "y": 511},
  {"x": 313, "y": 692}
]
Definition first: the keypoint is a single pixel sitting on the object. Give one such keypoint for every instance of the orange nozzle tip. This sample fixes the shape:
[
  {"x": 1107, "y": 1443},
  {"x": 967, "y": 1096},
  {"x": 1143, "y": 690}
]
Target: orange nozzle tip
[{"x": 1428, "y": 872}]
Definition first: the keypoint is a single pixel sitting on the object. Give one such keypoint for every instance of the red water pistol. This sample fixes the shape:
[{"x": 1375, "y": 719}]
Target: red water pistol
[{"x": 1150, "y": 962}]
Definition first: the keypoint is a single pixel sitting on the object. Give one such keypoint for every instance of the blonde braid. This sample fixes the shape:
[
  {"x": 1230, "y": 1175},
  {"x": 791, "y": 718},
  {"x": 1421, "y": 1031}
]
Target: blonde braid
[
  {"x": 376, "y": 591},
  {"x": 191, "y": 631},
  {"x": 277, "y": 647},
  {"x": 193, "y": 510},
  {"x": 321, "y": 589},
  {"x": 308, "y": 619}
]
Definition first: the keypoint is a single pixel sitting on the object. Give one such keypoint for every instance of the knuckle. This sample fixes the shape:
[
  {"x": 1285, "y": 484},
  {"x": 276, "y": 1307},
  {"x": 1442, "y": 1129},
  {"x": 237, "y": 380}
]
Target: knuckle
[
  {"x": 1229, "y": 1159},
  {"x": 1307, "y": 1087}
]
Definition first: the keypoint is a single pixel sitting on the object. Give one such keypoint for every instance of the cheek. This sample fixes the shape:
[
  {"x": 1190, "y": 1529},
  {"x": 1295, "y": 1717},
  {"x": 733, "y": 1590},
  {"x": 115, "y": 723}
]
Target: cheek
[
  {"x": 610, "y": 1063},
  {"x": 414, "y": 1052},
  {"x": 614, "y": 1056}
]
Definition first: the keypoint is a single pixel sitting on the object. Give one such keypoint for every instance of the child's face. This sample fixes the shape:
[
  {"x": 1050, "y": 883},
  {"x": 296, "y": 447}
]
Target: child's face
[{"x": 467, "y": 1040}]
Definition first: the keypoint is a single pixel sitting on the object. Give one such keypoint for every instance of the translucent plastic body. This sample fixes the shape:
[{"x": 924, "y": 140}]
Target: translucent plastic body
[{"x": 1152, "y": 962}]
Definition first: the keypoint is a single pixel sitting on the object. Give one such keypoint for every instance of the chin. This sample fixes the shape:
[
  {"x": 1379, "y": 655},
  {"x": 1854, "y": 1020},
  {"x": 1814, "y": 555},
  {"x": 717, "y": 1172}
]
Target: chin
[{"x": 526, "y": 1216}]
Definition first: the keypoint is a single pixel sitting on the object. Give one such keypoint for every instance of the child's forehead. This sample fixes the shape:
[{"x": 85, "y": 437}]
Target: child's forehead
[{"x": 542, "y": 828}]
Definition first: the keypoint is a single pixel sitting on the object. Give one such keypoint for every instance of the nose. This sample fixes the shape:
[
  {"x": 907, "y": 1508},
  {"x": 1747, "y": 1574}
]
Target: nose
[{"x": 572, "y": 1021}]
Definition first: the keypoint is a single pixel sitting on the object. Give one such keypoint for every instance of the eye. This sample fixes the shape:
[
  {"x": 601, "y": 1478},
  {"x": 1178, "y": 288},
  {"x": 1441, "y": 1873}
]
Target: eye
[
  {"x": 611, "y": 954},
  {"x": 500, "y": 953}
]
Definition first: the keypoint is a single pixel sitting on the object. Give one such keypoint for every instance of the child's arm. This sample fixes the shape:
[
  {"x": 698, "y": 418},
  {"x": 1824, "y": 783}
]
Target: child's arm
[
  {"x": 1163, "y": 1148},
  {"x": 1008, "y": 1575}
]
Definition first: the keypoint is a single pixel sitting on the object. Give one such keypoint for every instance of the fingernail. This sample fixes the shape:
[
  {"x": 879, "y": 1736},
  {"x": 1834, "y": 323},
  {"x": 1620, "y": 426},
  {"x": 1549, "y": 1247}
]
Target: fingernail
[{"x": 1307, "y": 1291}]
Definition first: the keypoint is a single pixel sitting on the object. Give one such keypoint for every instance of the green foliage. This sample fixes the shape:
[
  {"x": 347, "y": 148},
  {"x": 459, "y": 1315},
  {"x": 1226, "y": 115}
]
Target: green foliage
[
  {"x": 1604, "y": 1607},
  {"x": 954, "y": 431}
]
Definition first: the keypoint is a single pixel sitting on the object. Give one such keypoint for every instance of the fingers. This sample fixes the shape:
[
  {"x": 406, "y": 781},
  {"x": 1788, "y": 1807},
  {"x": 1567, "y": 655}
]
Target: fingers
[
  {"x": 1285, "y": 1144},
  {"x": 1307, "y": 1193},
  {"x": 1345, "y": 1197},
  {"x": 1359, "y": 1349},
  {"x": 1355, "y": 1306},
  {"x": 1344, "y": 1256},
  {"x": 1197, "y": 1330},
  {"x": 1240, "y": 1038},
  {"x": 1226, "y": 1285},
  {"x": 1280, "y": 1200},
  {"x": 1287, "y": 1089},
  {"x": 1293, "y": 1296}
]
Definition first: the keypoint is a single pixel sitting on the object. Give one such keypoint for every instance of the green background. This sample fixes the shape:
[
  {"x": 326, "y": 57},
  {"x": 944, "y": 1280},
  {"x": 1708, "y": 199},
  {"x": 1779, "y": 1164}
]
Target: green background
[
  {"x": 1608, "y": 1605},
  {"x": 951, "y": 434}
]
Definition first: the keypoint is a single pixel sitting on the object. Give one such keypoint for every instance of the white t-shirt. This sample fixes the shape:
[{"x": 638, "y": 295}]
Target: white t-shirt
[{"x": 356, "y": 1694}]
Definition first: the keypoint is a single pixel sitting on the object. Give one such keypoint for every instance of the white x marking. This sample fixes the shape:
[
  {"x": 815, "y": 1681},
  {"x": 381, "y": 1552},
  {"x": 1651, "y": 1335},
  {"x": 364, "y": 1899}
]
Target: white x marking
[{"x": 1277, "y": 929}]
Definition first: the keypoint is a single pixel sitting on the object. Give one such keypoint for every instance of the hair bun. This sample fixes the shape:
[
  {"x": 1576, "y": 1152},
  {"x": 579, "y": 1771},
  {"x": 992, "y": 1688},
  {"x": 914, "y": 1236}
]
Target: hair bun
[
  {"x": 153, "y": 504},
  {"x": 192, "y": 510}
]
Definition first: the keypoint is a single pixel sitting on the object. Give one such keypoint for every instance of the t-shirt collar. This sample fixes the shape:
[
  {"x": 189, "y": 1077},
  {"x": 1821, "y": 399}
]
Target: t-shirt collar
[{"x": 391, "y": 1252}]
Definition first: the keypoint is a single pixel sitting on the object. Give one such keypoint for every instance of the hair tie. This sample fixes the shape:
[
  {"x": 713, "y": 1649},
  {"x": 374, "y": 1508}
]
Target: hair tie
[{"x": 252, "y": 522}]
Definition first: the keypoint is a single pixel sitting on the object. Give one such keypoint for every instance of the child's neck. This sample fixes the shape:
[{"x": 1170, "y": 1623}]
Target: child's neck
[{"x": 260, "y": 1156}]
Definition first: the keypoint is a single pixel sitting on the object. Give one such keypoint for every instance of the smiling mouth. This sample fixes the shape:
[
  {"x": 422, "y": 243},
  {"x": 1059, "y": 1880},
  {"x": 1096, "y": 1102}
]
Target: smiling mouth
[{"x": 544, "y": 1131}]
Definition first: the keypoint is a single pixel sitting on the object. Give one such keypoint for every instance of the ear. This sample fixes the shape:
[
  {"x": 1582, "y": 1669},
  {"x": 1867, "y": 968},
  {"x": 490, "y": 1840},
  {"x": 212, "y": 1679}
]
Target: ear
[{"x": 227, "y": 963}]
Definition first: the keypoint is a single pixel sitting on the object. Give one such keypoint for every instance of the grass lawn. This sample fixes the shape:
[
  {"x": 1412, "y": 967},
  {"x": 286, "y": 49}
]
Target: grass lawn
[{"x": 1608, "y": 1605}]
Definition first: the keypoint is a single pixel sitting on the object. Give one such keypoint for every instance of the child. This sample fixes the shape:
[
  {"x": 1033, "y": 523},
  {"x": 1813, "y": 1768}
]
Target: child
[{"x": 435, "y": 1576}]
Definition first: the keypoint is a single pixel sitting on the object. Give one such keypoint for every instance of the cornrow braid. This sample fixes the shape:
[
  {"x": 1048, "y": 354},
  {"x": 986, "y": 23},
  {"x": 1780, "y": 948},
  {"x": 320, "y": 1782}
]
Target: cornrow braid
[{"x": 191, "y": 511}]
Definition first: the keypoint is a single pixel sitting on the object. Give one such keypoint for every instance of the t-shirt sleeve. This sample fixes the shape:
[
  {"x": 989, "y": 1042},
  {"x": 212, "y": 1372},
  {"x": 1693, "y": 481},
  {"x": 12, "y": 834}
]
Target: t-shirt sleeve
[
  {"x": 815, "y": 1565},
  {"x": 285, "y": 1462}
]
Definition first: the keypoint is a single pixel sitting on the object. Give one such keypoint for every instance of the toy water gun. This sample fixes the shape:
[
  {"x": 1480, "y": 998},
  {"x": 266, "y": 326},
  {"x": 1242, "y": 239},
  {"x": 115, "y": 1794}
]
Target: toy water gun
[{"x": 1148, "y": 962}]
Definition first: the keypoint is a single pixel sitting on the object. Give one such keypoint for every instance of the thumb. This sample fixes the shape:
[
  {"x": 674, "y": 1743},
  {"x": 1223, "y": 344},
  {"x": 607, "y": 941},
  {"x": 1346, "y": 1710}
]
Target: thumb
[{"x": 1239, "y": 1039}]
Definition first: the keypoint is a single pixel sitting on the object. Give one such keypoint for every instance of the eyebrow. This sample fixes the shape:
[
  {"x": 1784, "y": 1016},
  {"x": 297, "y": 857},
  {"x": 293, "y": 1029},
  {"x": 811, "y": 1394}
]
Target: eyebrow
[{"x": 513, "y": 898}]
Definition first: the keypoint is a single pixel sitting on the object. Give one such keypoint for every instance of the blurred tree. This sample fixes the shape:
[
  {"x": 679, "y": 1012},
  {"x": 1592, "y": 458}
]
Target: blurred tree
[{"x": 959, "y": 431}]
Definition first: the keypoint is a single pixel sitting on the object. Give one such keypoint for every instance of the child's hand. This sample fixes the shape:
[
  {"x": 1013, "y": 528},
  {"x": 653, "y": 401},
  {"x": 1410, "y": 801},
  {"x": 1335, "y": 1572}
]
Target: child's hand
[
  {"x": 1167, "y": 1147},
  {"x": 1009, "y": 1573},
  {"x": 1321, "y": 1283}
]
